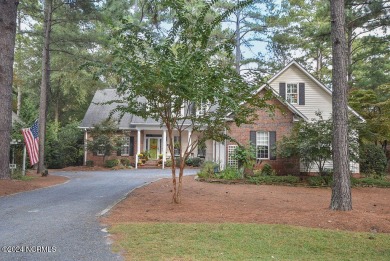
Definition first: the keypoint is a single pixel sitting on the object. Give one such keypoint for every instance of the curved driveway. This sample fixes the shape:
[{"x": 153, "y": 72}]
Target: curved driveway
[{"x": 61, "y": 222}]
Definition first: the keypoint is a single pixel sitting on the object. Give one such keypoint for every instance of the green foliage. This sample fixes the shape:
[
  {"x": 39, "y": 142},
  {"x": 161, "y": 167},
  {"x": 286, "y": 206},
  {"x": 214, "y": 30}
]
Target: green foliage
[
  {"x": 373, "y": 161},
  {"x": 370, "y": 182},
  {"x": 245, "y": 155},
  {"x": 125, "y": 162},
  {"x": 207, "y": 170},
  {"x": 103, "y": 138},
  {"x": 374, "y": 106},
  {"x": 168, "y": 163},
  {"x": 64, "y": 145},
  {"x": 194, "y": 162},
  {"x": 312, "y": 142},
  {"x": 267, "y": 170},
  {"x": 89, "y": 163},
  {"x": 320, "y": 181},
  {"x": 229, "y": 174},
  {"x": 270, "y": 180},
  {"x": 112, "y": 163}
]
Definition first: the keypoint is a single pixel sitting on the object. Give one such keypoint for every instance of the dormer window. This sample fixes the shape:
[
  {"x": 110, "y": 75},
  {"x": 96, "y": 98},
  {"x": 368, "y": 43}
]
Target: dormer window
[
  {"x": 203, "y": 108},
  {"x": 292, "y": 93}
]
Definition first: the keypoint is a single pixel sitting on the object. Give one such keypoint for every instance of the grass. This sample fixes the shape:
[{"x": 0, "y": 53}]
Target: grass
[{"x": 173, "y": 241}]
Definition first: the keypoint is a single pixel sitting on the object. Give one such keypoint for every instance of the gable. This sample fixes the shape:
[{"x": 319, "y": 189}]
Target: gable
[{"x": 316, "y": 98}]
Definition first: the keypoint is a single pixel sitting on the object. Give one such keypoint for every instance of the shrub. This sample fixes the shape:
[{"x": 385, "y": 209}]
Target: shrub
[
  {"x": 207, "y": 170},
  {"x": 89, "y": 163},
  {"x": 125, "y": 162},
  {"x": 229, "y": 173},
  {"x": 267, "y": 170},
  {"x": 274, "y": 180},
  {"x": 168, "y": 163},
  {"x": 320, "y": 181},
  {"x": 373, "y": 160},
  {"x": 370, "y": 182},
  {"x": 195, "y": 162},
  {"x": 111, "y": 163}
]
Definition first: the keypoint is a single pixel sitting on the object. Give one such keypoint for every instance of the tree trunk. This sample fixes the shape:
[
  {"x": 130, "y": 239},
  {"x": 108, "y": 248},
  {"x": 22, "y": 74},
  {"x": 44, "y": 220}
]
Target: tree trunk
[
  {"x": 349, "y": 57},
  {"x": 45, "y": 86},
  {"x": 8, "y": 16},
  {"x": 341, "y": 192}
]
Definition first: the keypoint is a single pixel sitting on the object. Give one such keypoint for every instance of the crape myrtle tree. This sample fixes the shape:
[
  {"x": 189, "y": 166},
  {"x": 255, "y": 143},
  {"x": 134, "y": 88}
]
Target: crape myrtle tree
[
  {"x": 167, "y": 77},
  {"x": 311, "y": 141}
]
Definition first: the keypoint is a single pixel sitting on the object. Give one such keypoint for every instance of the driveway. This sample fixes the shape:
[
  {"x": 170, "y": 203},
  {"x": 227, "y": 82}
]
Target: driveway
[{"x": 61, "y": 222}]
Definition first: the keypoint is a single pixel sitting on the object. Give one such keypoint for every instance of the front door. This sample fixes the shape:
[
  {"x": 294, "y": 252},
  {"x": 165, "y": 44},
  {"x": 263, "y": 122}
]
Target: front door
[{"x": 153, "y": 147}]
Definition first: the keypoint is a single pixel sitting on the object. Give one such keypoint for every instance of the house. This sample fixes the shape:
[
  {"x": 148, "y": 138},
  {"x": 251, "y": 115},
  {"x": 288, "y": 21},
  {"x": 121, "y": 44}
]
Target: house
[{"x": 297, "y": 93}]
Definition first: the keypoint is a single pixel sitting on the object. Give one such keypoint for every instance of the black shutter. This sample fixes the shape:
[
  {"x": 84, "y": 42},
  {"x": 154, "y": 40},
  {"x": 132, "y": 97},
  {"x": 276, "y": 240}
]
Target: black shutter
[
  {"x": 301, "y": 93},
  {"x": 119, "y": 152},
  {"x": 282, "y": 90},
  {"x": 272, "y": 145},
  {"x": 94, "y": 153},
  {"x": 131, "y": 146},
  {"x": 252, "y": 138}
]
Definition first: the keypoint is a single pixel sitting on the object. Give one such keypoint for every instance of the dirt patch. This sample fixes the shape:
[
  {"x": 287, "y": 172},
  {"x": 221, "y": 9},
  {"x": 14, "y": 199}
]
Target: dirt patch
[
  {"x": 8, "y": 187},
  {"x": 208, "y": 203}
]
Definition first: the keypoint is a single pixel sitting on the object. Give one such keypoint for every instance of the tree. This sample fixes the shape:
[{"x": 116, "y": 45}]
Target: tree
[
  {"x": 8, "y": 16},
  {"x": 312, "y": 142},
  {"x": 341, "y": 190},
  {"x": 167, "y": 77}
]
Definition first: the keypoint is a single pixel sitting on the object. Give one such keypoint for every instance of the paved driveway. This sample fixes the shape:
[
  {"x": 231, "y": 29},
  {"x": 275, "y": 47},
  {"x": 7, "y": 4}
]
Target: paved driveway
[{"x": 61, "y": 222}]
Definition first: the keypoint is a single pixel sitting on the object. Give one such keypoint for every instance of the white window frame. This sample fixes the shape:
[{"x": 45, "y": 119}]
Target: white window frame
[
  {"x": 260, "y": 141},
  {"x": 203, "y": 108},
  {"x": 181, "y": 109},
  {"x": 100, "y": 151},
  {"x": 290, "y": 94},
  {"x": 125, "y": 146}
]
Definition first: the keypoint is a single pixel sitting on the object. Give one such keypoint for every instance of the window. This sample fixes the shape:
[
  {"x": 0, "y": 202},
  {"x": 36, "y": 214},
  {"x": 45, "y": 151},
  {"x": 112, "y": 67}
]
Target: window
[
  {"x": 203, "y": 108},
  {"x": 101, "y": 150},
  {"x": 125, "y": 148},
  {"x": 262, "y": 145},
  {"x": 292, "y": 93}
]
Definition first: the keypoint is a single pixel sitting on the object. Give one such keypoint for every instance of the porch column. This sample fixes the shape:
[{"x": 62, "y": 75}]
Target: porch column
[
  {"x": 214, "y": 156},
  {"x": 138, "y": 147},
  {"x": 189, "y": 140},
  {"x": 164, "y": 151}
]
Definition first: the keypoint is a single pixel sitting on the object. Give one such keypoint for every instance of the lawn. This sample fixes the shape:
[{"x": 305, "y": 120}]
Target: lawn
[{"x": 229, "y": 241}]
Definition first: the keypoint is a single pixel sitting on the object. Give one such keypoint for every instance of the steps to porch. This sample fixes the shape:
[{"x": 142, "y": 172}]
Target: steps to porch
[{"x": 150, "y": 164}]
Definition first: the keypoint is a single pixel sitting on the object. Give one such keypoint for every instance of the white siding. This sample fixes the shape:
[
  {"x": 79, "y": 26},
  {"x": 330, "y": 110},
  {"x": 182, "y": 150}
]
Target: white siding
[{"x": 316, "y": 98}]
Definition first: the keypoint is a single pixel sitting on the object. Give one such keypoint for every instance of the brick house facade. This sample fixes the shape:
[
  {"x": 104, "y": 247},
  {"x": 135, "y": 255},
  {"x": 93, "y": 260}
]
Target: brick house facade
[{"x": 298, "y": 95}]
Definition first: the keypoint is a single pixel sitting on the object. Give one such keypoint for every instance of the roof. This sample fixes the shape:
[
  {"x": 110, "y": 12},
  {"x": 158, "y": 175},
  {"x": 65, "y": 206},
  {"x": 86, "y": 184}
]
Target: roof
[{"x": 98, "y": 111}]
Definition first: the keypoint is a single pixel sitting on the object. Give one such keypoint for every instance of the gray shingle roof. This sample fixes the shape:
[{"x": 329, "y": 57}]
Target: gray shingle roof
[{"x": 98, "y": 112}]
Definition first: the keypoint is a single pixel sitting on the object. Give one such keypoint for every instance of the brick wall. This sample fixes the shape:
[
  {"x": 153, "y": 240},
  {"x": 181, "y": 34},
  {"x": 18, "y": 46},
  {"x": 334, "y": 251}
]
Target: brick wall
[
  {"x": 98, "y": 160},
  {"x": 282, "y": 123}
]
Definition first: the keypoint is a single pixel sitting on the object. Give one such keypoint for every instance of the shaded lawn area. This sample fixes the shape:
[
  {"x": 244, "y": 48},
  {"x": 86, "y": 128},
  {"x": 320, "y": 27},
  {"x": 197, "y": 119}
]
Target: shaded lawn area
[{"x": 229, "y": 241}]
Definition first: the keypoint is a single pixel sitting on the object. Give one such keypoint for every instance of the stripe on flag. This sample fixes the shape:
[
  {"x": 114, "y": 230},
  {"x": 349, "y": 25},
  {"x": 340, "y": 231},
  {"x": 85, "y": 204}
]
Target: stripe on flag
[{"x": 32, "y": 142}]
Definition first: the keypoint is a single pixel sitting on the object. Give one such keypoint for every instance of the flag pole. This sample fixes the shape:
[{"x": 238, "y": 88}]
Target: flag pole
[{"x": 24, "y": 160}]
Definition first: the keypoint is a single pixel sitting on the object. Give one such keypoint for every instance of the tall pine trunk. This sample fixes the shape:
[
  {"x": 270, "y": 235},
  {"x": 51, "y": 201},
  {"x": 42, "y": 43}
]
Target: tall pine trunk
[
  {"x": 45, "y": 86},
  {"x": 341, "y": 191},
  {"x": 8, "y": 16}
]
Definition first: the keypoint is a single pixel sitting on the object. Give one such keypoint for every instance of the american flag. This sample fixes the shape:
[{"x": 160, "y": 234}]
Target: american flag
[{"x": 32, "y": 142}]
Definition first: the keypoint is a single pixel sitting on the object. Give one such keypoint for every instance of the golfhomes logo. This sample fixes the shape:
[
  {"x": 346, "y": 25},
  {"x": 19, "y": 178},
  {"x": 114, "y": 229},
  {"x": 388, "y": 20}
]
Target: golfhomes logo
[{"x": 28, "y": 249}]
